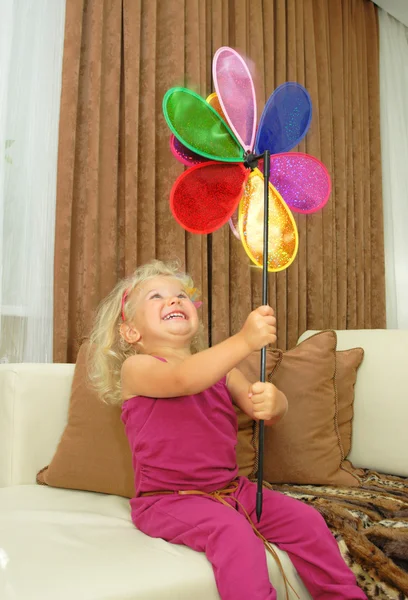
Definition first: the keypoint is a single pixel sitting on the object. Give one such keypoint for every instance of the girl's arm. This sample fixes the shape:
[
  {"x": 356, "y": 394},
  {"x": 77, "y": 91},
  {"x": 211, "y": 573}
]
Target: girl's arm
[
  {"x": 143, "y": 375},
  {"x": 260, "y": 401}
]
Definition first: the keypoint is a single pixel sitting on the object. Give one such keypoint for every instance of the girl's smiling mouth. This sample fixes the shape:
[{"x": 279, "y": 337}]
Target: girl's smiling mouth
[{"x": 175, "y": 315}]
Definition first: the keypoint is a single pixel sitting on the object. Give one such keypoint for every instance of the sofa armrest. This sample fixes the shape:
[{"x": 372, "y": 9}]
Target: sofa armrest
[{"x": 34, "y": 402}]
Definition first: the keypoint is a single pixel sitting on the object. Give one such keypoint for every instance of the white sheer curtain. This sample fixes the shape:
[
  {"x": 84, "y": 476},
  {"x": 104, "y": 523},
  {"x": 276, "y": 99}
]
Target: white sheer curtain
[
  {"x": 394, "y": 142},
  {"x": 31, "y": 47}
]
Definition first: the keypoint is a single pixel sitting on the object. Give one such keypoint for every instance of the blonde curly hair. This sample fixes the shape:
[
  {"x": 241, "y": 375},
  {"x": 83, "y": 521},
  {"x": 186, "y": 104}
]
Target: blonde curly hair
[{"x": 107, "y": 349}]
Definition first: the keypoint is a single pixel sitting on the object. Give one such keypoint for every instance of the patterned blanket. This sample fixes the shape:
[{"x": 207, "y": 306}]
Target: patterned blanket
[{"x": 370, "y": 524}]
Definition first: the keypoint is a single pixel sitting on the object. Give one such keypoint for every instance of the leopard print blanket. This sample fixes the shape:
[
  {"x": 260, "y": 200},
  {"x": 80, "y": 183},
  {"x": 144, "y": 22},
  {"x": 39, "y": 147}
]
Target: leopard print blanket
[{"x": 370, "y": 524}]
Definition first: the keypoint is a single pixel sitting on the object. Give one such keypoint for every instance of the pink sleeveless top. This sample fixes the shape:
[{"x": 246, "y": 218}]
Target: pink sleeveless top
[{"x": 182, "y": 443}]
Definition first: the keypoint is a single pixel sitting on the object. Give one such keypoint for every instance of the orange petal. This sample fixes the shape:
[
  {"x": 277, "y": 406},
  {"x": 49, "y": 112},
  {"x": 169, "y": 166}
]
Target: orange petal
[{"x": 213, "y": 101}]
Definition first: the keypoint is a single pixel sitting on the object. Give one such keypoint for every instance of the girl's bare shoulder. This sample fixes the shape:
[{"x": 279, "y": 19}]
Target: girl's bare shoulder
[{"x": 145, "y": 375}]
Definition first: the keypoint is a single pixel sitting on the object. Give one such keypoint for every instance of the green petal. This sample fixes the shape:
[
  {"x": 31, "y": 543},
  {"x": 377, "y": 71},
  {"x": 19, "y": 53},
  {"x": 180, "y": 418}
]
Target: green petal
[{"x": 199, "y": 127}]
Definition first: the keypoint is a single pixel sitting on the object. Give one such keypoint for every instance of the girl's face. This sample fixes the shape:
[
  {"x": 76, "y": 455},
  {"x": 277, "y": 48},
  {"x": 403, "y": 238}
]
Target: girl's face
[{"x": 163, "y": 314}]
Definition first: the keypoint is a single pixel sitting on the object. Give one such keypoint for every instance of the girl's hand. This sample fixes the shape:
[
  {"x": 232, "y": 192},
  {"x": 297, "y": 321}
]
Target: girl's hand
[
  {"x": 269, "y": 403},
  {"x": 259, "y": 329}
]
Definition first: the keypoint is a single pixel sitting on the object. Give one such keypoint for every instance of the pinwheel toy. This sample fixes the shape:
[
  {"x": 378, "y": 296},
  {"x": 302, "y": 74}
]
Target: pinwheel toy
[{"x": 217, "y": 139}]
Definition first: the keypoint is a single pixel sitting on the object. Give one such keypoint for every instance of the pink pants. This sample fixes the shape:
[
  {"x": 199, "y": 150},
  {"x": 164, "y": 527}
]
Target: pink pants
[{"x": 237, "y": 554}]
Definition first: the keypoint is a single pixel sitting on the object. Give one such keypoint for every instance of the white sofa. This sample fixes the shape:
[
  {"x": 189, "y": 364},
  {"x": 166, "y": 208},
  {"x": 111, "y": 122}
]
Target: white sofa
[{"x": 62, "y": 544}]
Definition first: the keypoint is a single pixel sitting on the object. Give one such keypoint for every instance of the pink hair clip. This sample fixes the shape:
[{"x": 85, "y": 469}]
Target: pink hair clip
[
  {"x": 125, "y": 295},
  {"x": 193, "y": 294}
]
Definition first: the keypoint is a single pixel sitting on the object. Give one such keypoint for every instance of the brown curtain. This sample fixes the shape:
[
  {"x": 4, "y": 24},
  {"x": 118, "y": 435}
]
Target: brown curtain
[{"x": 115, "y": 169}]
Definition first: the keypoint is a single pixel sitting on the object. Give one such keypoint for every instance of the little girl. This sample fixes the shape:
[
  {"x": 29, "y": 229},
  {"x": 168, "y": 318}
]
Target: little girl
[{"x": 177, "y": 407}]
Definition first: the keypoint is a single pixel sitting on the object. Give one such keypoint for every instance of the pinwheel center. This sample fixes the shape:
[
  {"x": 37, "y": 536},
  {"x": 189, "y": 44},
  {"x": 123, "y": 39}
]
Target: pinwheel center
[{"x": 251, "y": 160}]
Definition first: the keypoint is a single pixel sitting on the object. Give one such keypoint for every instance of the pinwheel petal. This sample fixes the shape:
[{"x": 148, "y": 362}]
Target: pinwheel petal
[
  {"x": 283, "y": 235},
  {"x": 199, "y": 127},
  {"x": 233, "y": 223},
  {"x": 213, "y": 101},
  {"x": 236, "y": 93},
  {"x": 302, "y": 180},
  {"x": 183, "y": 154},
  {"x": 285, "y": 119},
  {"x": 204, "y": 197}
]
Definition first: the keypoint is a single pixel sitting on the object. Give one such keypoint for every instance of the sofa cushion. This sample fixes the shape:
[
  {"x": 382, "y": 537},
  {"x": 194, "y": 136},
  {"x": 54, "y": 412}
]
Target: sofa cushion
[
  {"x": 93, "y": 453},
  {"x": 381, "y": 406},
  {"x": 347, "y": 364},
  {"x": 64, "y": 544},
  {"x": 305, "y": 447}
]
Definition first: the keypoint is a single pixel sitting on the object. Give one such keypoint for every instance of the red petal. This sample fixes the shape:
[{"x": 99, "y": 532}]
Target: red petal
[{"x": 205, "y": 196}]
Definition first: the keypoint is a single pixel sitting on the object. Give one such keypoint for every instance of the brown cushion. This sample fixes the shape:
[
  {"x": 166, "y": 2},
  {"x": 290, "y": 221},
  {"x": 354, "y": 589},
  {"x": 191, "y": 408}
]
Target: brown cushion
[
  {"x": 347, "y": 364},
  {"x": 93, "y": 453},
  {"x": 305, "y": 446}
]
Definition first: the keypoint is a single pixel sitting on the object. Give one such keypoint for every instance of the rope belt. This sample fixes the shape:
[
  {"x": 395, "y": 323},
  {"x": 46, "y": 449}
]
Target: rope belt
[{"x": 220, "y": 495}]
